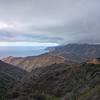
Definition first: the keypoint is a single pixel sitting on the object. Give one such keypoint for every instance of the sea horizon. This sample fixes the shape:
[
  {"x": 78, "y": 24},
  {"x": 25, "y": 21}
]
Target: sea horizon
[{"x": 21, "y": 51}]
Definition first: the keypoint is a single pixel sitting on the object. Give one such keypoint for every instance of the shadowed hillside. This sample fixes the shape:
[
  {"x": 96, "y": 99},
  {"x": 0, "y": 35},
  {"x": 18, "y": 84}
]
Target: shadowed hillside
[
  {"x": 60, "y": 82},
  {"x": 8, "y": 75}
]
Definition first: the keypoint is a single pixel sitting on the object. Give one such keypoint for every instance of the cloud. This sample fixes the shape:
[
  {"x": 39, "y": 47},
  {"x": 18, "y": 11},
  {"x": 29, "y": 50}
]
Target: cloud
[
  {"x": 14, "y": 44},
  {"x": 57, "y": 21}
]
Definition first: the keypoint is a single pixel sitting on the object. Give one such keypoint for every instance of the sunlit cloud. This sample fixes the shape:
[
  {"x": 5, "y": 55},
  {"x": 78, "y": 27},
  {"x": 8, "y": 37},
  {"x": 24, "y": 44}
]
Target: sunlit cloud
[
  {"x": 4, "y": 26},
  {"x": 34, "y": 44}
]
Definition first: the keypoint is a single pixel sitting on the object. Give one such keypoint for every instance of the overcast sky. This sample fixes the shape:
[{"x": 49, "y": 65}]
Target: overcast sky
[{"x": 50, "y": 21}]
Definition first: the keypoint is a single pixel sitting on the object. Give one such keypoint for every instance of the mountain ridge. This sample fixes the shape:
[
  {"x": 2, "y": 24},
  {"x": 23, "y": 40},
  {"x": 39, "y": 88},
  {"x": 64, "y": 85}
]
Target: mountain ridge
[
  {"x": 71, "y": 53},
  {"x": 28, "y": 63}
]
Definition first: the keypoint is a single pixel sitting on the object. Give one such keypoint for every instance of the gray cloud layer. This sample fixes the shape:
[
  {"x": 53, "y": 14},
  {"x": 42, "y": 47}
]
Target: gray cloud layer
[{"x": 61, "y": 21}]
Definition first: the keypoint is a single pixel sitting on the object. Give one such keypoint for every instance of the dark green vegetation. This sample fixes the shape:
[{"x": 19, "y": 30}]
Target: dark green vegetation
[
  {"x": 8, "y": 76},
  {"x": 60, "y": 82}
]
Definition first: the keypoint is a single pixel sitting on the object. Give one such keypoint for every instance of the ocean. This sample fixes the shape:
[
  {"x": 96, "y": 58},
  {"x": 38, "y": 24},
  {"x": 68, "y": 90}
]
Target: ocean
[{"x": 21, "y": 51}]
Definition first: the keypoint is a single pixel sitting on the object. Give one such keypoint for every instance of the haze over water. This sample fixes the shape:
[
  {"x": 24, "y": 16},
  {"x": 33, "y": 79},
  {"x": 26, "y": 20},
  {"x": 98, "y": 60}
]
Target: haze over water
[{"x": 21, "y": 51}]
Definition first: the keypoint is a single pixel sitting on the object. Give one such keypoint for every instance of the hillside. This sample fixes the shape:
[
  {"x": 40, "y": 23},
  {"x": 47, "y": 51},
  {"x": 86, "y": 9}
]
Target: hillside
[
  {"x": 94, "y": 61},
  {"x": 31, "y": 62},
  {"x": 71, "y": 53},
  {"x": 77, "y": 52},
  {"x": 59, "y": 82},
  {"x": 8, "y": 75}
]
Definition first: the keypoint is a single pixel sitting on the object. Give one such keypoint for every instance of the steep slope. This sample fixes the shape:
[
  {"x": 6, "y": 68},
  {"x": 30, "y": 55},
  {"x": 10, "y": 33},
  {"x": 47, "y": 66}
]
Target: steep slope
[
  {"x": 60, "y": 82},
  {"x": 28, "y": 63},
  {"x": 8, "y": 75}
]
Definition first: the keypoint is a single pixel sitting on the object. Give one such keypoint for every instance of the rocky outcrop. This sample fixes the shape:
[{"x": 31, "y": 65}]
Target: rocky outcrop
[{"x": 94, "y": 61}]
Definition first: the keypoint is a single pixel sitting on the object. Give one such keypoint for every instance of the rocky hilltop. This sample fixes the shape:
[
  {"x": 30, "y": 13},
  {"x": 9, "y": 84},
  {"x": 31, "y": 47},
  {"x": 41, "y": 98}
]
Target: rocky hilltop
[{"x": 29, "y": 63}]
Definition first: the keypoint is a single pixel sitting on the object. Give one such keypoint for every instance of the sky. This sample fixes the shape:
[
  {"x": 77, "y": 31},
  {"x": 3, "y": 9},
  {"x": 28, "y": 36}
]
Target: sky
[{"x": 49, "y": 22}]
